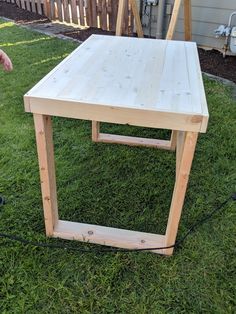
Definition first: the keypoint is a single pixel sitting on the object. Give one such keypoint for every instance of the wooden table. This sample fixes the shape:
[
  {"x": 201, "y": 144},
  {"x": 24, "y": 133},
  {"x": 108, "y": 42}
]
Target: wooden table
[{"x": 142, "y": 82}]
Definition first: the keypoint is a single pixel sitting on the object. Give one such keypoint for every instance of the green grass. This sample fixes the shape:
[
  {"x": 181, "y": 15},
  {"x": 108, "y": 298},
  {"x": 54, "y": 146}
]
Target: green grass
[{"x": 110, "y": 185}]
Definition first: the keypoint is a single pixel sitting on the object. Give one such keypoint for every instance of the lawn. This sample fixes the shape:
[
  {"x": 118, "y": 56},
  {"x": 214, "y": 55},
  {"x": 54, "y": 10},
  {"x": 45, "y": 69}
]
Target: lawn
[{"x": 112, "y": 185}]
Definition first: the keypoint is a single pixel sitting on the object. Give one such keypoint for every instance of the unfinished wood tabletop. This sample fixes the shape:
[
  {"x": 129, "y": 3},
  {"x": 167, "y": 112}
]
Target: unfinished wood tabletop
[{"x": 146, "y": 82}]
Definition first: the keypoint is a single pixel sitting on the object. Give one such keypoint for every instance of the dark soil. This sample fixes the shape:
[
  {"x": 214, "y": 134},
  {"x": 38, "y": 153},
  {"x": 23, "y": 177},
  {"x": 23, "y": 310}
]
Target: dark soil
[
  {"x": 83, "y": 34},
  {"x": 212, "y": 61},
  {"x": 20, "y": 16}
]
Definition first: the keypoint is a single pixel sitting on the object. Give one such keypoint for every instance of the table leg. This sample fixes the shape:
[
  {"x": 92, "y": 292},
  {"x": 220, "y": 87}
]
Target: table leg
[
  {"x": 186, "y": 143},
  {"x": 95, "y": 130},
  {"x": 44, "y": 140},
  {"x": 173, "y": 140}
]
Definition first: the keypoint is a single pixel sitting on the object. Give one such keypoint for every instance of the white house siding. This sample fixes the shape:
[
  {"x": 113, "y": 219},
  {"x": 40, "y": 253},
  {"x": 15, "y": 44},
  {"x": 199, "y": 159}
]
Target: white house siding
[{"x": 207, "y": 15}]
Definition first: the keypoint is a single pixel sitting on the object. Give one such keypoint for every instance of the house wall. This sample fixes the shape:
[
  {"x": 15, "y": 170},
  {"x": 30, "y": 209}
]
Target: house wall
[{"x": 207, "y": 15}]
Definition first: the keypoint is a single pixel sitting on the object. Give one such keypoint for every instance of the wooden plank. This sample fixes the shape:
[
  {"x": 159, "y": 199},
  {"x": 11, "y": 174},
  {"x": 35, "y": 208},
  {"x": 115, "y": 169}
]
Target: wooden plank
[
  {"x": 131, "y": 22},
  {"x": 46, "y": 8},
  {"x": 109, "y": 13},
  {"x": 180, "y": 139},
  {"x": 115, "y": 237},
  {"x": 121, "y": 81},
  {"x": 173, "y": 140},
  {"x": 104, "y": 25},
  {"x": 88, "y": 11},
  {"x": 59, "y": 10},
  {"x": 52, "y": 10},
  {"x": 173, "y": 20},
  {"x": 136, "y": 117},
  {"x": 22, "y": 4},
  {"x": 41, "y": 7},
  {"x": 28, "y": 8},
  {"x": 81, "y": 12},
  {"x": 33, "y": 6},
  {"x": 44, "y": 141},
  {"x": 187, "y": 20},
  {"x": 120, "y": 17},
  {"x": 113, "y": 15},
  {"x": 94, "y": 13},
  {"x": 180, "y": 189},
  {"x": 66, "y": 10},
  {"x": 95, "y": 130},
  {"x": 99, "y": 12},
  {"x": 126, "y": 19},
  {"x": 132, "y": 141},
  {"x": 137, "y": 20},
  {"x": 74, "y": 14}
]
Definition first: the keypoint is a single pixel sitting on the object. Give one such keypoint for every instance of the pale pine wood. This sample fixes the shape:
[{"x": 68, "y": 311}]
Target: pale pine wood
[
  {"x": 173, "y": 20},
  {"x": 188, "y": 36},
  {"x": 135, "y": 117},
  {"x": 122, "y": 92},
  {"x": 133, "y": 141},
  {"x": 120, "y": 15},
  {"x": 44, "y": 141},
  {"x": 108, "y": 236},
  {"x": 179, "y": 149},
  {"x": 137, "y": 20},
  {"x": 184, "y": 167},
  {"x": 174, "y": 99},
  {"x": 173, "y": 140},
  {"x": 95, "y": 130},
  {"x": 119, "y": 28},
  {"x": 187, "y": 20}
]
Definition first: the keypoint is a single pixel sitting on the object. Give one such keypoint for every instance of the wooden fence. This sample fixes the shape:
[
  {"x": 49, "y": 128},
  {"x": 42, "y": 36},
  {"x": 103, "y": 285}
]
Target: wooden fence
[{"x": 94, "y": 13}]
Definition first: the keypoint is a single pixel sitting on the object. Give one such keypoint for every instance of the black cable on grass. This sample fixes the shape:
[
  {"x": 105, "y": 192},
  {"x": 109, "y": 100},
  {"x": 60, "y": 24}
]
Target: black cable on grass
[{"x": 115, "y": 250}]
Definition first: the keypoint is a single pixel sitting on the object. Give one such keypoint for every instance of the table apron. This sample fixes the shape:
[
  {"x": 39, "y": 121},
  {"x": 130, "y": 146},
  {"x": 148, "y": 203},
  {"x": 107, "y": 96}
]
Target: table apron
[{"x": 120, "y": 115}]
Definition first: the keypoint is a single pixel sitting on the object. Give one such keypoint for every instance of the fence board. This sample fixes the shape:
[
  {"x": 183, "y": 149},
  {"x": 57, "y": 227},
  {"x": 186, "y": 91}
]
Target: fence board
[
  {"x": 52, "y": 10},
  {"x": 59, "y": 10},
  {"x": 113, "y": 15},
  {"x": 33, "y": 6},
  {"x": 23, "y": 4},
  {"x": 28, "y": 8},
  {"x": 94, "y": 13},
  {"x": 103, "y": 22},
  {"x": 126, "y": 16},
  {"x": 74, "y": 14},
  {"x": 81, "y": 13}
]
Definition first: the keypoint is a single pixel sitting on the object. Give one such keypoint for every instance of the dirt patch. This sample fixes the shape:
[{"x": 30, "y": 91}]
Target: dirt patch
[
  {"x": 211, "y": 61},
  {"x": 83, "y": 34},
  {"x": 20, "y": 16}
]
